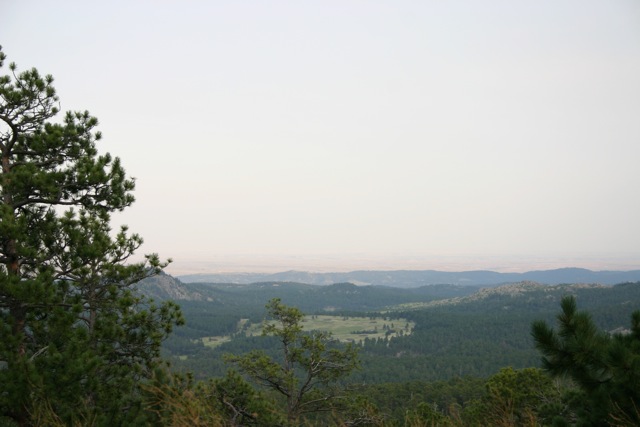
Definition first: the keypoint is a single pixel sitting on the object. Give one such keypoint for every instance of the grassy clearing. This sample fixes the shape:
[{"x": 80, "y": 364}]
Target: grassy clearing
[
  {"x": 354, "y": 329},
  {"x": 215, "y": 341},
  {"x": 346, "y": 329}
]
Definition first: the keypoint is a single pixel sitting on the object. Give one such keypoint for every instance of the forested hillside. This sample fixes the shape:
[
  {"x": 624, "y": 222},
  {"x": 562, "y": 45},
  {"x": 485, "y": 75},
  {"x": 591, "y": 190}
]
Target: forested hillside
[
  {"x": 458, "y": 330},
  {"x": 462, "y": 342},
  {"x": 417, "y": 278}
]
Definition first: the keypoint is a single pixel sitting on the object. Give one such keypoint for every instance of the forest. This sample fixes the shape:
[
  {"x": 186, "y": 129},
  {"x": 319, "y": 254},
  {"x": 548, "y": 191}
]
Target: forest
[
  {"x": 464, "y": 339},
  {"x": 88, "y": 337}
]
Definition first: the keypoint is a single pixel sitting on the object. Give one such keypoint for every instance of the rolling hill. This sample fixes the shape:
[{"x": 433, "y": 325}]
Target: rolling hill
[
  {"x": 417, "y": 278},
  {"x": 459, "y": 330}
]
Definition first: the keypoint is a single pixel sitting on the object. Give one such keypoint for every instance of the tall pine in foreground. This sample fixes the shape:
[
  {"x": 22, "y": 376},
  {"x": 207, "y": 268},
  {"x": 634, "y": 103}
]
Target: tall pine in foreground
[
  {"x": 605, "y": 367},
  {"x": 307, "y": 377},
  {"x": 75, "y": 338}
]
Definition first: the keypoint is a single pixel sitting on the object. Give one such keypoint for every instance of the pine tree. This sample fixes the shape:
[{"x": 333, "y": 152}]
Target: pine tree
[
  {"x": 605, "y": 367},
  {"x": 310, "y": 368},
  {"x": 75, "y": 336}
]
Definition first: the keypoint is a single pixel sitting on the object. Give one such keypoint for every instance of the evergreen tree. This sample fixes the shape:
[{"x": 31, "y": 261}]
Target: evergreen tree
[
  {"x": 75, "y": 337},
  {"x": 518, "y": 398},
  {"x": 310, "y": 368},
  {"x": 605, "y": 367}
]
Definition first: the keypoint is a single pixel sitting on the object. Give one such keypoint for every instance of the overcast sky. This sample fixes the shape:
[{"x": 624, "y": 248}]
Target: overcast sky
[{"x": 331, "y": 135}]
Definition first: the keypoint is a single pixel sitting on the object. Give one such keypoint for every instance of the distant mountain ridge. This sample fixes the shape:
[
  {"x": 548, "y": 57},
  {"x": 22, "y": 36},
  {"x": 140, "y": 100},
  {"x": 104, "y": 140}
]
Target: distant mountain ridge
[{"x": 416, "y": 278}]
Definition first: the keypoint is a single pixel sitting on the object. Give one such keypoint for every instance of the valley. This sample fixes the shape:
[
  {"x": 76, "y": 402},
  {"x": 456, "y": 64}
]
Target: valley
[
  {"x": 455, "y": 330},
  {"x": 436, "y": 345},
  {"x": 352, "y": 329}
]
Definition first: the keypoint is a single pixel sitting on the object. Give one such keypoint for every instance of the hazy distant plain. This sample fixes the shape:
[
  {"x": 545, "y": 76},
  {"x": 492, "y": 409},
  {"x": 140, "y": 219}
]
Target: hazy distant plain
[{"x": 344, "y": 263}]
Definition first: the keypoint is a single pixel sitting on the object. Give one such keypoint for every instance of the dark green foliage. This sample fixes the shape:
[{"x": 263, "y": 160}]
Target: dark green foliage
[
  {"x": 340, "y": 297},
  {"x": 309, "y": 368},
  {"x": 509, "y": 398},
  {"x": 75, "y": 338},
  {"x": 239, "y": 403},
  {"x": 175, "y": 400},
  {"x": 518, "y": 396},
  {"x": 473, "y": 337},
  {"x": 605, "y": 367},
  {"x": 396, "y": 400},
  {"x": 426, "y": 414}
]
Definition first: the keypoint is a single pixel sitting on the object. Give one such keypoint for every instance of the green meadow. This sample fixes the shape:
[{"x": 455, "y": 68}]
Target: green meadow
[{"x": 343, "y": 328}]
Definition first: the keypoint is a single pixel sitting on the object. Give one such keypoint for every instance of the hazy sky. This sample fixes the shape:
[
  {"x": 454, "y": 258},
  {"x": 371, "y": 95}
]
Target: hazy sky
[{"x": 333, "y": 134}]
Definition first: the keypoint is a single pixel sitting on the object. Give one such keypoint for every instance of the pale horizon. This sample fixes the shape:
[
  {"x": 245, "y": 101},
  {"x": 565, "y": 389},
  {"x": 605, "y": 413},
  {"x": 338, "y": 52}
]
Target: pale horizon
[{"x": 267, "y": 264}]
